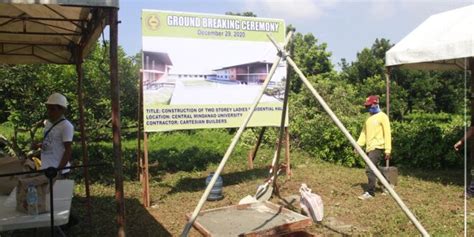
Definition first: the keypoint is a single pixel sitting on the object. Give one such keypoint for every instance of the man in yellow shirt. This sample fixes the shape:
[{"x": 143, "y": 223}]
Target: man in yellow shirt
[{"x": 377, "y": 139}]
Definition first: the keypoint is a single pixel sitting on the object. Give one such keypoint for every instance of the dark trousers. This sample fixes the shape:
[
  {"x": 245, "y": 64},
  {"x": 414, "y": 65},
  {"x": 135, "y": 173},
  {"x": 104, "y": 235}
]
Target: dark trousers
[
  {"x": 469, "y": 172},
  {"x": 375, "y": 156}
]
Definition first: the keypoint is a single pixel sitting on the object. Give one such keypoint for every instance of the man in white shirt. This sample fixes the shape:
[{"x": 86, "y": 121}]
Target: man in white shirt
[{"x": 56, "y": 148}]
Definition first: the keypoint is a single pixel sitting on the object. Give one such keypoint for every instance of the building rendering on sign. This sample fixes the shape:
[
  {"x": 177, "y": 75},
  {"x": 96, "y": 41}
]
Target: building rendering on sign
[
  {"x": 156, "y": 67},
  {"x": 248, "y": 73},
  {"x": 158, "y": 73}
]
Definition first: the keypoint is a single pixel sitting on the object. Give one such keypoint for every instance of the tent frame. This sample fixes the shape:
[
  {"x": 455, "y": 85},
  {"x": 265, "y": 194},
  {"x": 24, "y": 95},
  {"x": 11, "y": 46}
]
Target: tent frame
[
  {"x": 427, "y": 47},
  {"x": 103, "y": 13}
]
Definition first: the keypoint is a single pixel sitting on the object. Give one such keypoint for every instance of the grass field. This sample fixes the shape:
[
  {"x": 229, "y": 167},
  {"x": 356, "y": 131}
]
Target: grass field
[{"x": 433, "y": 196}]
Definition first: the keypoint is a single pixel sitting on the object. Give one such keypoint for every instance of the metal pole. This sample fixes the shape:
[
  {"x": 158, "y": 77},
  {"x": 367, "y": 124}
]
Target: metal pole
[
  {"x": 354, "y": 143},
  {"x": 231, "y": 147},
  {"x": 145, "y": 183},
  {"x": 387, "y": 78},
  {"x": 139, "y": 129},
  {"x": 471, "y": 68},
  {"x": 287, "y": 152},
  {"x": 117, "y": 145},
  {"x": 85, "y": 154},
  {"x": 253, "y": 152},
  {"x": 51, "y": 204},
  {"x": 282, "y": 124},
  {"x": 468, "y": 158}
]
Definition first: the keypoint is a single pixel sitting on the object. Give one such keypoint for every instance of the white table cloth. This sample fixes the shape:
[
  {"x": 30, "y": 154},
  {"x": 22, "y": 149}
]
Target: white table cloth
[{"x": 11, "y": 219}]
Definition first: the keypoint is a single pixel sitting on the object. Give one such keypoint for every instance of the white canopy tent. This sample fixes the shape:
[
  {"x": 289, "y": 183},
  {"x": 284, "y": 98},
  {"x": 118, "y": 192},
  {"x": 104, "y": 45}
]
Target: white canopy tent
[{"x": 444, "y": 41}]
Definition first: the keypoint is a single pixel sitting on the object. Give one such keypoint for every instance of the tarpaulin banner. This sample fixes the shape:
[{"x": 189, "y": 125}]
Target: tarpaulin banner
[{"x": 205, "y": 70}]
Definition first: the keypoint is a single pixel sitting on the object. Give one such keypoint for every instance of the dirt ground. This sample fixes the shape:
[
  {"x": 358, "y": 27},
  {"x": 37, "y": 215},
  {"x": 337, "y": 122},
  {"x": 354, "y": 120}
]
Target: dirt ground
[{"x": 434, "y": 197}]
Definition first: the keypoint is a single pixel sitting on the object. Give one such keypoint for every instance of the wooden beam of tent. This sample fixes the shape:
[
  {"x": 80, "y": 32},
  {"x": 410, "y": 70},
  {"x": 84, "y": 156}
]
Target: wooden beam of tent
[
  {"x": 63, "y": 32},
  {"x": 56, "y": 25},
  {"x": 117, "y": 145}
]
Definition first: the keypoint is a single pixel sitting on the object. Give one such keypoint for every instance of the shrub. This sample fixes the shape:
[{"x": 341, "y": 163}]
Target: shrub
[
  {"x": 321, "y": 138},
  {"x": 420, "y": 140},
  {"x": 426, "y": 140},
  {"x": 170, "y": 151}
]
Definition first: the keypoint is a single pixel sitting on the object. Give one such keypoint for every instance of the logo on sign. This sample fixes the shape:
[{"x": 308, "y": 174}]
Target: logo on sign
[{"x": 153, "y": 22}]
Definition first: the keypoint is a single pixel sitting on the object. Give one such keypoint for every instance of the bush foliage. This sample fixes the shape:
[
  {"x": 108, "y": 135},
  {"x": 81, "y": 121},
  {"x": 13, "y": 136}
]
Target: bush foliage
[
  {"x": 426, "y": 140},
  {"x": 167, "y": 151},
  {"x": 419, "y": 141},
  {"x": 426, "y": 110}
]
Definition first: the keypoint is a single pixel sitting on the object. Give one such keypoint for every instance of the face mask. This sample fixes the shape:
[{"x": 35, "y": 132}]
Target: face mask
[{"x": 374, "y": 109}]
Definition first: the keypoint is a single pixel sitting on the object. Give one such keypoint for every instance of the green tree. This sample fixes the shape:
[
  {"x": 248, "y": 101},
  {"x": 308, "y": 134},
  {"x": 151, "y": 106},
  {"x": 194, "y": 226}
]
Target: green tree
[
  {"x": 380, "y": 47},
  {"x": 410, "y": 90},
  {"x": 97, "y": 89},
  {"x": 368, "y": 63},
  {"x": 311, "y": 127},
  {"x": 431, "y": 91},
  {"x": 26, "y": 87},
  {"x": 375, "y": 85},
  {"x": 310, "y": 57}
]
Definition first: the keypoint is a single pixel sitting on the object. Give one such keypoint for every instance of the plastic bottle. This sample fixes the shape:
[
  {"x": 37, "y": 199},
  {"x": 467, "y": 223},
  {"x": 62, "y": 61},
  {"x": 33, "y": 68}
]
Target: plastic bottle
[
  {"x": 32, "y": 200},
  {"x": 216, "y": 191}
]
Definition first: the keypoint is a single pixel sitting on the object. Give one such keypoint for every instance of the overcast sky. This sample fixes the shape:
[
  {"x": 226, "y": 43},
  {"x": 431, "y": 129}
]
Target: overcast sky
[{"x": 346, "y": 26}]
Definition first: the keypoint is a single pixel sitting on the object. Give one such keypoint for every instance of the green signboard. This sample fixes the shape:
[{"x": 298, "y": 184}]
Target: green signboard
[
  {"x": 205, "y": 71},
  {"x": 200, "y": 26}
]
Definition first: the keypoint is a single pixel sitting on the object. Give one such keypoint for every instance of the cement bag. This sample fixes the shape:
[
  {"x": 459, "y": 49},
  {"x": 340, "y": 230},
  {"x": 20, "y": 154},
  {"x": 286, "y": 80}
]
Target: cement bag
[
  {"x": 42, "y": 188},
  {"x": 311, "y": 203}
]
